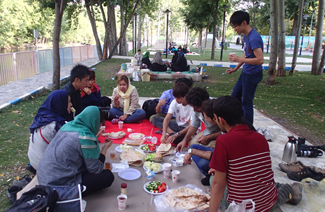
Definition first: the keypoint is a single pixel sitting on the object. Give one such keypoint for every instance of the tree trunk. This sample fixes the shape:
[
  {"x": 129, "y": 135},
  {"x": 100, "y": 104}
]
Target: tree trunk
[
  {"x": 200, "y": 41},
  {"x": 123, "y": 46},
  {"x": 282, "y": 50},
  {"x": 214, "y": 30},
  {"x": 270, "y": 78},
  {"x": 297, "y": 39},
  {"x": 59, "y": 8},
  {"x": 138, "y": 42},
  {"x": 94, "y": 28},
  {"x": 106, "y": 30},
  {"x": 124, "y": 30},
  {"x": 111, "y": 26},
  {"x": 294, "y": 27},
  {"x": 317, "y": 69},
  {"x": 322, "y": 62}
]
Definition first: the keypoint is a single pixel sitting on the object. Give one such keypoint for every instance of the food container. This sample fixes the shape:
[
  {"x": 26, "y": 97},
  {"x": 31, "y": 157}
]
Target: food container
[
  {"x": 178, "y": 162},
  {"x": 145, "y": 75}
]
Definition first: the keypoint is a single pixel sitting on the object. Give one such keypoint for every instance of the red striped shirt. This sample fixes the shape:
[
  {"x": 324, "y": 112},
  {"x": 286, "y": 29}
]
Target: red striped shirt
[{"x": 245, "y": 156}]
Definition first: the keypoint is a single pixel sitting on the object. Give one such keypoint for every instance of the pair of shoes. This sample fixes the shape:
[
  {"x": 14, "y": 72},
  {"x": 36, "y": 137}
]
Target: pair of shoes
[
  {"x": 22, "y": 182},
  {"x": 305, "y": 173},
  {"x": 11, "y": 193},
  {"x": 290, "y": 193},
  {"x": 158, "y": 132},
  {"x": 30, "y": 168},
  {"x": 206, "y": 181},
  {"x": 293, "y": 166},
  {"x": 114, "y": 121},
  {"x": 266, "y": 133},
  {"x": 319, "y": 170}
]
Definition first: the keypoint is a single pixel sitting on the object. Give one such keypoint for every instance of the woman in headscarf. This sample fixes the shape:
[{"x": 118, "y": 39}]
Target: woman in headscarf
[
  {"x": 125, "y": 106},
  {"x": 181, "y": 63},
  {"x": 157, "y": 63},
  {"x": 74, "y": 157},
  {"x": 91, "y": 95},
  {"x": 50, "y": 117},
  {"x": 175, "y": 57},
  {"x": 146, "y": 59}
]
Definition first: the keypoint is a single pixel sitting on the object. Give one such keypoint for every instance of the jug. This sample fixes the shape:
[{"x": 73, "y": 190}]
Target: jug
[{"x": 290, "y": 150}]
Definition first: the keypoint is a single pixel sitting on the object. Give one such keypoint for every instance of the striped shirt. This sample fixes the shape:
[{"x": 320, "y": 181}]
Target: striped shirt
[{"x": 245, "y": 156}]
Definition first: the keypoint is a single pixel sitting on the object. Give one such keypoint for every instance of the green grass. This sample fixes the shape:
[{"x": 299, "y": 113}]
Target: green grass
[{"x": 295, "y": 102}]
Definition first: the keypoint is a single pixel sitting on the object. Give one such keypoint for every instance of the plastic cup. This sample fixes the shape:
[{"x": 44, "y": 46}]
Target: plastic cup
[
  {"x": 120, "y": 124},
  {"x": 112, "y": 154},
  {"x": 154, "y": 140},
  {"x": 167, "y": 169},
  {"x": 121, "y": 199},
  {"x": 175, "y": 175},
  {"x": 108, "y": 164}
]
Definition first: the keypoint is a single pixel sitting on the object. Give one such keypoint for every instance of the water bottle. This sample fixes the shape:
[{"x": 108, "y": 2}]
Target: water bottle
[{"x": 290, "y": 150}]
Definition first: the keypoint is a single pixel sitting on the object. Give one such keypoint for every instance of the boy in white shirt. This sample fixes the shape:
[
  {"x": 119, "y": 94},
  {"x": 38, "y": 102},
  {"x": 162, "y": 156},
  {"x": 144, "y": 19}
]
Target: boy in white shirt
[
  {"x": 138, "y": 58},
  {"x": 182, "y": 112}
]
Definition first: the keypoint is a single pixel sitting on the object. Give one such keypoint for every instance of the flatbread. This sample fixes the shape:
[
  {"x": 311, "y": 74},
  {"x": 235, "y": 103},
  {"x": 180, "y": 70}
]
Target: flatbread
[
  {"x": 133, "y": 142},
  {"x": 114, "y": 135},
  {"x": 132, "y": 157},
  {"x": 163, "y": 148}
]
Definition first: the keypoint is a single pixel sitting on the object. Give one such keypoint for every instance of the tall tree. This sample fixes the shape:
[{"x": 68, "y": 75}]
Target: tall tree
[
  {"x": 270, "y": 78},
  {"x": 317, "y": 69},
  {"x": 295, "y": 50},
  {"x": 214, "y": 28},
  {"x": 282, "y": 50}
]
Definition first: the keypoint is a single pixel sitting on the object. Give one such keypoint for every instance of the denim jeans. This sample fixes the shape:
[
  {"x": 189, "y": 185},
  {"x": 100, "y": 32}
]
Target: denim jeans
[
  {"x": 244, "y": 91},
  {"x": 136, "y": 117},
  {"x": 201, "y": 163}
]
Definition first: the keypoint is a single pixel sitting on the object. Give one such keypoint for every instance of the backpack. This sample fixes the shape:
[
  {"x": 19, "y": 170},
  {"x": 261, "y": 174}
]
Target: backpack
[
  {"x": 38, "y": 199},
  {"x": 150, "y": 107}
]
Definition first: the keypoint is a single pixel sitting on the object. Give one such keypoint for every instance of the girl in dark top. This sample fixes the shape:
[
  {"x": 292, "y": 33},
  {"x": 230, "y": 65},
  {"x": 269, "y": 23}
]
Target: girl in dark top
[
  {"x": 91, "y": 95},
  {"x": 157, "y": 63},
  {"x": 146, "y": 59},
  {"x": 181, "y": 63}
]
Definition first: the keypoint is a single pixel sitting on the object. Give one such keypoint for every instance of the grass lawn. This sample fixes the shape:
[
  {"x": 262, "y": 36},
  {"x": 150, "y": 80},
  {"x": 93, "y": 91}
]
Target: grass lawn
[{"x": 295, "y": 102}]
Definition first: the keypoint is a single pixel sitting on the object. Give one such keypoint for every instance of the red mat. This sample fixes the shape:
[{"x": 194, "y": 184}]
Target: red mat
[{"x": 145, "y": 127}]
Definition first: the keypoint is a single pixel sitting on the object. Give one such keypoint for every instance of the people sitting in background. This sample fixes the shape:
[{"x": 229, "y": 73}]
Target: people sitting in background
[
  {"x": 157, "y": 63},
  {"x": 168, "y": 51},
  {"x": 182, "y": 112},
  {"x": 170, "y": 47},
  {"x": 125, "y": 106},
  {"x": 185, "y": 49},
  {"x": 166, "y": 98},
  {"x": 179, "y": 48},
  {"x": 181, "y": 63},
  {"x": 174, "y": 49},
  {"x": 174, "y": 59},
  {"x": 207, "y": 137},
  {"x": 138, "y": 58},
  {"x": 146, "y": 60},
  {"x": 241, "y": 164},
  {"x": 79, "y": 77},
  {"x": 74, "y": 156},
  {"x": 50, "y": 117},
  {"x": 90, "y": 95}
]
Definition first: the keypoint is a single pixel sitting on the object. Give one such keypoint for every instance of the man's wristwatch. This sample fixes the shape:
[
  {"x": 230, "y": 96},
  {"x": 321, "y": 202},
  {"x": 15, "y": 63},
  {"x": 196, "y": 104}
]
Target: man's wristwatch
[
  {"x": 189, "y": 151},
  {"x": 178, "y": 134}
]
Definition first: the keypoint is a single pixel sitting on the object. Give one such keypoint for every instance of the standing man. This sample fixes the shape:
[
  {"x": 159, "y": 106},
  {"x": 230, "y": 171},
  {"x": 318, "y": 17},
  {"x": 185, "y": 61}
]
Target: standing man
[
  {"x": 252, "y": 61},
  {"x": 79, "y": 78}
]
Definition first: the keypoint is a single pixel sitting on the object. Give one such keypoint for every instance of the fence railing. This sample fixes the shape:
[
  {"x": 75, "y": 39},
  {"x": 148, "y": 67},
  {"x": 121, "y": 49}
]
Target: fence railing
[{"x": 21, "y": 65}]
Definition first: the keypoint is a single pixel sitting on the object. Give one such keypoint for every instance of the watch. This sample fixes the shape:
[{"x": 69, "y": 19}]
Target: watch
[
  {"x": 189, "y": 151},
  {"x": 178, "y": 134}
]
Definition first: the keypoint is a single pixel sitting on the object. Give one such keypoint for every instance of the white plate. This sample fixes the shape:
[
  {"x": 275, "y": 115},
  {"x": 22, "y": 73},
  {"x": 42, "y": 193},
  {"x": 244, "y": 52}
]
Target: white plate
[
  {"x": 129, "y": 174},
  {"x": 154, "y": 172},
  {"x": 118, "y": 148},
  {"x": 114, "y": 138},
  {"x": 136, "y": 136},
  {"x": 146, "y": 150},
  {"x": 144, "y": 187}
]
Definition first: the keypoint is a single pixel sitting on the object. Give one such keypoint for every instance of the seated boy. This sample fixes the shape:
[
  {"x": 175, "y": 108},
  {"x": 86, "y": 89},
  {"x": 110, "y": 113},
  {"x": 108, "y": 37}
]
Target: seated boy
[
  {"x": 138, "y": 58},
  {"x": 241, "y": 162},
  {"x": 182, "y": 112},
  {"x": 207, "y": 137}
]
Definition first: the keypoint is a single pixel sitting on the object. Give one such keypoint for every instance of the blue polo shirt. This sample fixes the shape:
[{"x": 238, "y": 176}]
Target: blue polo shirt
[
  {"x": 252, "y": 41},
  {"x": 168, "y": 95}
]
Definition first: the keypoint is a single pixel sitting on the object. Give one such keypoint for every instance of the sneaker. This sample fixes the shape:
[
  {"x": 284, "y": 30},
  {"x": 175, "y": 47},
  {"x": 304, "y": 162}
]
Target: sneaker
[
  {"x": 206, "y": 181},
  {"x": 305, "y": 173},
  {"x": 11, "y": 193},
  {"x": 158, "y": 132},
  {"x": 297, "y": 194},
  {"x": 293, "y": 166},
  {"x": 318, "y": 170},
  {"x": 22, "y": 182},
  {"x": 260, "y": 131},
  {"x": 267, "y": 134}
]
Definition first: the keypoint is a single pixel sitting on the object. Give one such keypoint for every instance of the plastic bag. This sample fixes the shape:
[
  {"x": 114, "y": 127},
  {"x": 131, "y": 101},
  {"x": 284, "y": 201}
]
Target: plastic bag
[
  {"x": 163, "y": 204},
  {"x": 315, "y": 192},
  {"x": 233, "y": 207}
]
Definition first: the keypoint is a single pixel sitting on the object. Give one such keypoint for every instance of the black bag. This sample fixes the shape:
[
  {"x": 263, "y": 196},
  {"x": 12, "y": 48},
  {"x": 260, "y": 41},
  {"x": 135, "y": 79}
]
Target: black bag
[
  {"x": 150, "y": 107},
  {"x": 38, "y": 199}
]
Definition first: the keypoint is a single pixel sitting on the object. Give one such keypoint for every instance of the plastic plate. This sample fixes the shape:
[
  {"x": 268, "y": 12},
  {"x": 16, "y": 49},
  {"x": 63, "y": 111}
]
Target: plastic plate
[{"x": 129, "y": 174}]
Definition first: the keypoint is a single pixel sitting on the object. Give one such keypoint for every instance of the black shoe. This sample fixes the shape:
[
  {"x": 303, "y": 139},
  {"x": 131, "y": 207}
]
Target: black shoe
[
  {"x": 305, "y": 173},
  {"x": 206, "y": 181},
  {"x": 11, "y": 193},
  {"x": 22, "y": 182},
  {"x": 31, "y": 169}
]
